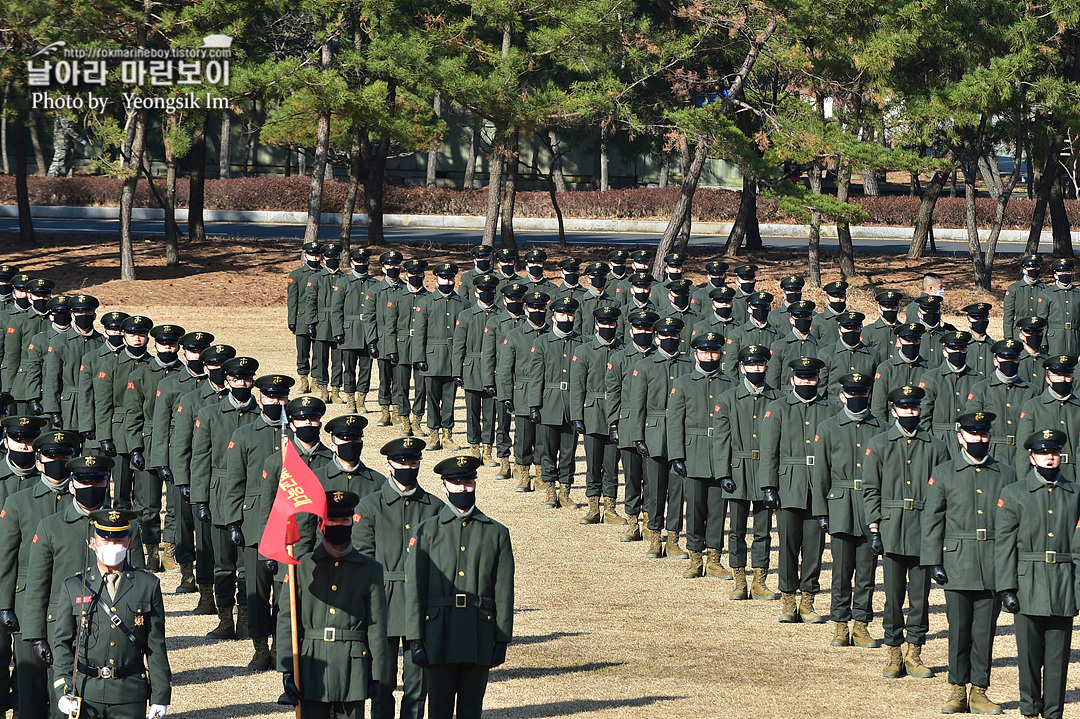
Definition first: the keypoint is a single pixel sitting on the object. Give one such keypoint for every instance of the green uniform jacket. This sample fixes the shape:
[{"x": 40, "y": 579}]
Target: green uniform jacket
[
  {"x": 741, "y": 413},
  {"x": 739, "y": 310},
  {"x": 497, "y": 327},
  {"x": 958, "y": 522},
  {"x": 839, "y": 450},
  {"x": 712, "y": 323},
  {"x": 1032, "y": 370},
  {"x": 700, "y": 296},
  {"x": 139, "y": 606},
  {"x": 60, "y": 384},
  {"x": 652, "y": 379},
  {"x": 140, "y": 399},
  {"x": 932, "y": 347},
  {"x": 1035, "y": 523},
  {"x": 588, "y": 384},
  {"x": 879, "y": 335},
  {"x": 341, "y": 617},
  {"x": 460, "y": 602},
  {"x": 382, "y": 299},
  {"x": 12, "y": 479},
  {"x": 350, "y": 311},
  {"x": 1006, "y": 401},
  {"x": 893, "y": 374},
  {"x": 690, "y": 318},
  {"x": 779, "y": 317},
  {"x": 34, "y": 362},
  {"x": 1062, "y": 320},
  {"x": 693, "y": 423},
  {"x": 403, "y": 325},
  {"x": 361, "y": 481},
  {"x": 548, "y": 375},
  {"x": 980, "y": 357},
  {"x": 57, "y": 551},
  {"x": 824, "y": 326},
  {"x": 85, "y": 404},
  {"x": 169, "y": 391},
  {"x": 19, "y": 520},
  {"x": 840, "y": 360},
  {"x": 111, "y": 417},
  {"x": 180, "y": 441},
  {"x": 271, "y": 476},
  {"x": 320, "y": 300},
  {"x": 895, "y": 474},
  {"x": 241, "y": 491},
  {"x": 946, "y": 398},
  {"x": 784, "y": 350},
  {"x": 1022, "y": 300},
  {"x": 512, "y": 373},
  {"x": 469, "y": 363},
  {"x": 432, "y": 335},
  {"x": 787, "y": 446},
  {"x": 384, "y": 525},
  {"x": 467, "y": 285},
  {"x": 299, "y": 284},
  {"x": 617, "y": 383},
  {"x": 584, "y": 322},
  {"x": 210, "y": 441},
  {"x": 22, "y": 326},
  {"x": 1048, "y": 412},
  {"x": 744, "y": 335}
]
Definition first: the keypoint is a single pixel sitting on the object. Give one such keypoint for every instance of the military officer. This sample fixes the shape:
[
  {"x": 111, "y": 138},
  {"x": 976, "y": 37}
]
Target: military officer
[
  {"x": 459, "y": 602},
  {"x": 481, "y": 266},
  {"x": 947, "y": 386},
  {"x": 1056, "y": 407},
  {"x": 595, "y": 296},
  {"x": 1035, "y": 525},
  {"x": 512, "y": 388},
  {"x": 1003, "y": 394},
  {"x": 839, "y": 450},
  {"x": 746, "y": 281},
  {"x": 929, "y": 313},
  {"x": 825, "y": 326},
  {"x": 383, "y": 299},
  {"x": 787, "y": 461},
  {"x": 906, "y": 366},
  {"x": 792, "y": 287},
  {"x": 60, "y": 381},
  {"x": 58, "y": 309},
  {"x": 402, "y": 324},
  {"x": 980, "y": 355},
  {"x": 881, "y": 333},
  {"x": 1031, "y": 331},
  {"x": 799, "y": 342},
  {"x": 111, "y": 678},
  {"x": 640, "y": 295},
  {"x": 472, "y": 369},
  {"x": 678, "y": 305},
  {"x": 618, "y": 284},
  {"x": 848, "y": 354},
  {"x": 958, "y": 546},
  {"x": 715, "y": 278},
  {"x": 351, "y": 313},
  {"x": 534, "y": 273},
  {"x": 346, "y": 471},
  {"x": 326, "y": 369},
  {"x": 1023, "y": 297},
  {"x": 1062, "y": 300},
  {"x": 693, "y": 420},
  {"x": 674, "y": 263},
  {"x": 570, "y": 287},
  {"x": 497, "y": 327},
  {"x": 719, "y": 320},
  {"x": 21, "y": 329},
  {"x": 506, "y": 267},
  {"x": 11, "y": 313},
  {"x": 431, "y": 346},
  {"x": 384, "y": 527},
  {"x": 341, "y": 615},
  {"x": 7, "y": 292},
  {"x": 300, "y": 285},
  {"x": 89, "y": 367},
  {"x": 755, "y": 331}
]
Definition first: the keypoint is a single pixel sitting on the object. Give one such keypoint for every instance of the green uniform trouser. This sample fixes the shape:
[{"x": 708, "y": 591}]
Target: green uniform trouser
[
  {"x": 634, "y": 481},
  {"x": 601, "y": 466},
  {"x": 739, "y": 511},
  {"x": 503, "y": 441},
  {"x": 556, "y": 444},
  {"x": 303, "y": 355},
  {"x": 404, "y": 376},
  {"x": 388, "y": 389},
  {"x": 460, "y": 684},
  {"x": 32, "y": 681},
  {"x": 229, "y": 585},
  {"x": 1042, "y": 647},
  {"x": 802, "y": 542},
  {"x": 414, "y": 686},
  {"x": 664, "y": 491},
  {"x": 705, "y": 509},
  {"x": 179, "y": 525},
  {"x": 440, "y": 394},
  {"x": 356, "y": 365},
  {"x": 123, "y": 481},
  {"x": 8, "y": 690},
  {"x": 131, "y": 710},
  {"x": 524, "y": 441},
  {"x": 480, "y": 417},
  {"x": 904, "y": 576},
  {"x": 326, "y": 363},
  {"x": 852, "y": 560},
  {"x": 332, "y": 710},
  {"x": 259, "y": 583},
  {"x": 204, "y": 553},
  {"x": 146, "y": 500},
  {"x": 972, "y": 620}
]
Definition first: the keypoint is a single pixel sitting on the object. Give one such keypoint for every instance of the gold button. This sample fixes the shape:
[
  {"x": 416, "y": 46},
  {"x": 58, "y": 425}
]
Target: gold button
[
  {"x": 463, "y": 549},
  {"x": 858, "y": 445},
  {"x": 112, "y": 644},
  {"x": 1050, "y": 511},
  {"x": 980, "y": 511},
  {"x": 408, "y": 526},
  {"x": 807, "y": 424},
  {"x": 461, "y": 574},
  {"x": 463, "y": 524},
  {"x": 333, "y": 611},
  {"x": 978, "y": 491},
  {"x": 406, "y": 503},
  {"x": 1049, "y": 534},
  {"x": 333, "y": 587},
  {"x": 335, "y": 564}
]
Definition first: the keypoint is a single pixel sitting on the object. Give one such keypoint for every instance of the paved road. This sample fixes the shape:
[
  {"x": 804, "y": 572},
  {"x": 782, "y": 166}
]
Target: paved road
[{"x": 417, "y": 235}]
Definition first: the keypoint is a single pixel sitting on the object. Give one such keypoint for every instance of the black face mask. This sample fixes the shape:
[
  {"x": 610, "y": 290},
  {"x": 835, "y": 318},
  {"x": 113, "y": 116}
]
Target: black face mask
[
  {"x": 483, "y": 265},
  {"x": 716, "y": 281},
  {"x": 754, "y": 378},
  {"x": 889, "y": 316},
  {"x": 350, "y": 451},
  {"x": 406, "y": 477},
  {"x": 416, "y": 280},
  {"x": 196, "y": 366},
  {"x": 84, "y": 322},
  {"x": 515, "y": 308},
  {"x": 116, "y": 341},
  {"x": 642, "y": 339},
  {"x": 506, "y": 269},
  {"x": 314, "y": 264},
  {"x": 136, "y": 351},
  {"x": 167, "y": 357},
  {"x": 857, "y": 404},
  {"x": 392, "y": 272},
  {"x": 565, "y": 326},
  {"x": 536, "y": 271},
  {"x": 806, "y": 391},
  {"x": 464, "y": 501},
  {"x": 1032, "y": 273},
  {"x": 571, "y": 278},
  {"x": 681, "y": 302},
  {"x": 931, "y": 319},
  {"x": 674, "y": 274},
  {"x": 272, "y": 412},
  {"x": 1062, "y": 389},
  {"x": 361, "y": 270},
  {"x": 332, "y": 263},
  {"x": 641, "y": 296},
  {"x": 240, "y": 394},
  {"x": 1008, "y": 368},
  {"x": 22, "y": 302},
  {"x": 723, "y": 313},
  {"x": 486, "y": 296},
  {"x": 446, "y": 288},
  {"x": 338, "y": 534},
  {"x": 39, "y": 304},
  {"x": 850, "y": 337},
  {"x": 22, "y": 460},
  {"x": 1064, "y": 278},
  {"x": 598, "y": 281},
  {"x": 977, "y": 450},
  {"x": 1048, "y": 473},
  {"x": 56, "y": 470},
  {"x": 803, "y": 324},
  {"x": 911, "y": 351},
  {"x": 747, "y": 287},
  {"x": 979, "y": 327},
  {"x": 709, "y": 366},
  {"x": 536, "y": 316},
  {"x": 956, "y": 359},
  {"x": 607, "y": 333},
  {"x": 761, "y": 314},
  {"x": 838, "y": 306},
  {"x": 5, "y": 288},
  {"x": 307, "y": 434},
  {"x": 61, "y": 319},
  {"x": 216, "y": 375},
  {"x": 670, "y": 344},
  {"x": 793, "y": 297},
  {"x": 908, "y": 423},
  {"x": 618, "y": 270},
  {"x": 1034, "y": 340},
  {"x": 91, "y": 497}
]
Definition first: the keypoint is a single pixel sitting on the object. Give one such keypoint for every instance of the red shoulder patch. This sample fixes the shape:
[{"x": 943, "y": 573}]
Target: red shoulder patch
[
  {"x": 817, "y": 437},
  {"x": 198, "y": 423},
  {"x": 635, "y": 373},
  {"x": 867, "y": 451},
  {"x": 877, "y": 375},
  {"x": 356, "y": 518},
  {"x": 158, "y": 393},
  {"x": 3, "y": 513},
  {"x": 31, "y": 346},
  {"x": 231, "y": 445},
  {"x": 575, "y": 358},
  {"x": 1023, "y": 414},
  {"x": 289, "y": 281},
  {"x": 131, "y": 385},
  {"x": 922, "y": 385},
  {"x": 11, "y": 330},
  {"x": 412, "y": 541},
  {"x": 609, "y": 365},
  {"x": 931, "y": 482},
  {"x": 716, "y": 408},
  {"x": 1001, "y": 502},
  {"x": 101, "y": 374},
  {"x": 673, "y": 390},
  {"x": 768, "y": 413},
  {"x": 179, "y": 408},
  {"x": 970, "y": 396},
  {"x": 50, "y": 349},
  {"x": 35, "y": 539}
]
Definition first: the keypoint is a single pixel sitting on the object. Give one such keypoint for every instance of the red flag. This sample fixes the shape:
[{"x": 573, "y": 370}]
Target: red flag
[{"x": 298, "y": 491}]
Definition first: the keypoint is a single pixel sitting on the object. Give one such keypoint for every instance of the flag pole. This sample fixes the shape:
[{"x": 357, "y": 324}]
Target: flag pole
[{"x": 293, "y": 623}]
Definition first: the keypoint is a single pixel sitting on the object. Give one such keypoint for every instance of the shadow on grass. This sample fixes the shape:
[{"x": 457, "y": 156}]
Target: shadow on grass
[
  {"x": 235, "y": 710},
  {"x": 580, "y": 706},
  {"x": 177, "y": 643},
  {"x": 203, "y": 675},
  {"x": 541, "y": 638},
  {"x": 502, "y": 675}
]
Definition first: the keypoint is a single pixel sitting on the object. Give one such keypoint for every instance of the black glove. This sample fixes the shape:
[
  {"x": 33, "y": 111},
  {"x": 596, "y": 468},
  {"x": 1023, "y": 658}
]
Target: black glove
[
  {"x": 88, "y": 434},
  {"x": 679, "y": 467},
  {"x": 937, "y": 573},
  {"x": 1010, "y": 602},
  {"x": 202, "y": 512},
  {"x": 875, "y": 543},
  {"x": 292, "y": 328},
  {"x": 534, "y": 415},
  {"x": 823, "y": 522},
  {"x": 185, "y": 492},
  {"x": 36, "y": 408},
  {"x": 271, "y": 565},
  {"x": 164, "y": 474},
  {"x": 490, "y": 391},
  {"x": 459, "y": 381},
  {"x": 392, "y": 357},
  {"x": 311, "y": 331},
  {"x": 508, "y": 404},
  {"x": 579, "y": 426},
  {"x": 373, "y": 689},
  {"x": 421, "y": 366},
  {"x": 236, "y": 537},
  {"x": 43, "y": 652},
  {"x": 373, "y": 350},
  {"x": 498, "y": 655},
  {"x": 770, "y": 498},
  {"x": 728, "y": 485},
  {"x": 138, "y": 461},
  {"x": 339, "y": 340},
  {"x": 56, "y": 419},
  {"x": 291, "y": 690},
  {"x": 108, "y": 447},
  {"x": 419, "y": 654},
  {"x": 641, "y": 448},
  {"x": 8, "y": 620},
  {"x": 613, "y": 434}
]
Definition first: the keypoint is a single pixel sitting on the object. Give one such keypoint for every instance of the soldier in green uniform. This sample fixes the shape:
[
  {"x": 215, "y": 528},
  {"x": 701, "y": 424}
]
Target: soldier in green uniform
[
  {"x": 58, "y": 309},
  {"x": 797, "y": 343},
  {"x": 905, "y": 367},
  {"x": 958, "y": 546},
  {"x": 678, "y": 305},
  {"x": 896, "y": 468},
  {"x": 825, "y": 326},
  {"x": 693, "y": 421},
  {"x": 746, "y": 279},
  {"x": 1023, "y": 297},
  {"x": 506, "y": 267},
  {"x": 299, "y": 286},
  {"x": 7, "y": 291},
  {"x": 651, "y": 381},
  {"x": 1003, "y": 394},
  {"x": 111, "y": 678},
  {"x": 383, "y": 528},
  {"x": 11, "y": 314},
  {"x": 1062, "y": 301},
  {"x": 792, "y": 287},
  {"x": 21, "y": 329},
  {"x": 839, "y": 450},
  {"x": 383, "y": 299},
  {"x": 351, "y": 313},
  {"x": 473, "y": 371},
  {"x": 929, "y": 313},
  {"x": 346, "y": 471},
  {"x": 241, "y": 493},
  {"x": 589, "y": 416},
  {"x": 402, "y": 324},
  {"x": 931, "y": 287},
  {"x": 980, "y": 355},
  {"x": 618, "y": 284},
  {"x": 719, "y": 320},
  {"x": 715, "y": 278},
  {"x": 60, "y": 380},
  {"x": 1031, "y": 331},
  {"x": 431, "y": 346},
  {"x": 881, "y": 333},
  {"x": 326, "y": 368},
  {"x": 848, "y": 354},
  {"x": 512, "y": 384},
  {"x": 1035, "y": 530},
  {"x": 787, "y": 462},
  {"x": 617, "y": 382},
  {"x": 674, "y": 264},
  {"x": 947, "y": 387},
  {"x": 481, "y": 266},
  {"x": 534, "y": 273},
  {"x": 496, "y": 328},
  {"x": 639, "y": 296},
  {"x": 459, "y": 602},
  {"x": 595, "y": 296},
  {"x": 341, "y": 617},
  {"x": 755, "y": 331},
  {"x": 1057, "y": 407},
  {"x": 570, "y": 287},
  {"x": 742, "y": 409},
  {"x": 89, "y": 366}
]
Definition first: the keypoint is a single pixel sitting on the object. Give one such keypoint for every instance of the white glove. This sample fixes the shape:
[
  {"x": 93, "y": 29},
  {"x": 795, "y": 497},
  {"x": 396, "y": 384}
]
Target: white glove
[
  {"x": 66, "y": 705},
  {"x": 156, "y": 711}
]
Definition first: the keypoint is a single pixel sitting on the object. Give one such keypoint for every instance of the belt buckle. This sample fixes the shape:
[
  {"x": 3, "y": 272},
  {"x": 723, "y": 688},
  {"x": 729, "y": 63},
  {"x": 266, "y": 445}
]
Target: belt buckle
[
  {"x": 564, "y": 385},
  {"x": 980, "y": 534},
  {"x": 329, "y": 634},
  {"x": 1068, "y": 325},
  {"x": 857, "y": 484},
  {"x": 449, "y": 342},
  {"x": 115, "y": 621},
  {"x": 105, "y": 673},
  {"x": 459, "y": 601},
  {"x": 411, "y": 332},
  {"x": 755, "y": 454},
  {"x": 1064, "y": 458},
  {"x": 708, "y": 432},
  {"x": 809, "y": 460},
  {"x": 1051, "y": 556},
  {"x": 909, "y": 504},
  {"x": 1010, "y": 440}
]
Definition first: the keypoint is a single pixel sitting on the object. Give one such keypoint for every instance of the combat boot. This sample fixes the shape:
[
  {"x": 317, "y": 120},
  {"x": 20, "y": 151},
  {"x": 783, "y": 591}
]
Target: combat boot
[
  {"x": 696, "y": 568},
  {"x": 225, "y": 629},
  {"x": 610, "y": 516},
  {"x": 448, "y": 442},
  {"x": 335, "y": 395},
  {"x": 361, "y": 402},
  {"x": 261, "y": 660},
  {"x": 894, "y": 666},
  {"x": 322, "y": 391},
  {"x": 656, "y": 547},
  {"x": 979, "y": 703},
  {"x": 760, "y": 590},
  {"x": 714, "y": 567},
  {"x": 404, "y": 424},
  {"x": 564, "y": 497},
  {"x": 187, "y": 579},
  {"x": 206, "y": 600},
  {"x": 395, "y": 416},
  {"x": 524, "y": 483},
  {"x": 551, "y": 498},
  {"x": 537, "y": 475},
  {"x": 633, "y": 531},
  {"x": 242, "y": 622},
  {"x": 840, "y": 636},
  {"x": 434, "y": 441},
  {"x": 384, "y": 416},
  {"x": 504, "y": 468},
  {"x": 646, "y": 533},
  {"x": 168, "y": 557},
  {"x": 740, "y": 590},
  {"x": 593, "y": 515},
  {"x": 789, "y": 610},
  {"x": 672, "y": 548},
  {"x": 860, "y": 637},
  {"x": 806, "y": 610},
  {"x": 957, "y": 702},
  {"x": 350, "y": 402},
  {"x": 474, "y": 451},
  {"x": 153, "y": 561},
  {"x": 913, "y": 663},
  {"x": 417, "y": 426},
  {"x": 302, "y": 386},
  {"x": 486, "y": 457}
]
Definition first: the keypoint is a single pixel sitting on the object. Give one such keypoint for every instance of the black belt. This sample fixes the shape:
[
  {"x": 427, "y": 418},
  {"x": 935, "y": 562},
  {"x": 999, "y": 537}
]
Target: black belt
[
  {"x": 979, "y": 535},
  {"x": 110, "y": 673},
  {"x": 333, "y": 634},
  {"x": 1048, "y": 557},
  {"x": 460, "y": 601},
  {"x": 906, "y": 503},
  {"x": 393, "y": 576}
]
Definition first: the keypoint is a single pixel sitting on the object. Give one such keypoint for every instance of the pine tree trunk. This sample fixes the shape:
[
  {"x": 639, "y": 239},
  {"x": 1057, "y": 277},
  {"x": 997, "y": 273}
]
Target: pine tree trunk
[
  {"x": 556, "y": 162},
  {"x": 5, "y": 165},
  {"x": 318, "y": 172},
  {"x": 433, "y": 153},
  {"x": 127, "y": 197},
  {"x": 225, "y": 146},
  {"x": 22, "y": 192},
  {"x": 197, "y": 182},
  {"x": 978, "y": 266},
  {"x": 35, "y": 141},
  {"x": 1047, "y": 171},
  {"x": 469, "y": 182},
  {"x": 683, "y": 205},
  {"x": 813, "y": 244},
  {"x": 925, "y": 219},
  {"x": 1059, "y": 219},
  {"x": 605, "y": 162},
  {"x": 495, "y": 182},
  {"x": 172, "y": 239},
  {"x": 843, "y": 227},
  {"x": 356, "y": 166},
  {"x": 665, "y": 169},
  {"x": 509, "y": 199}
]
